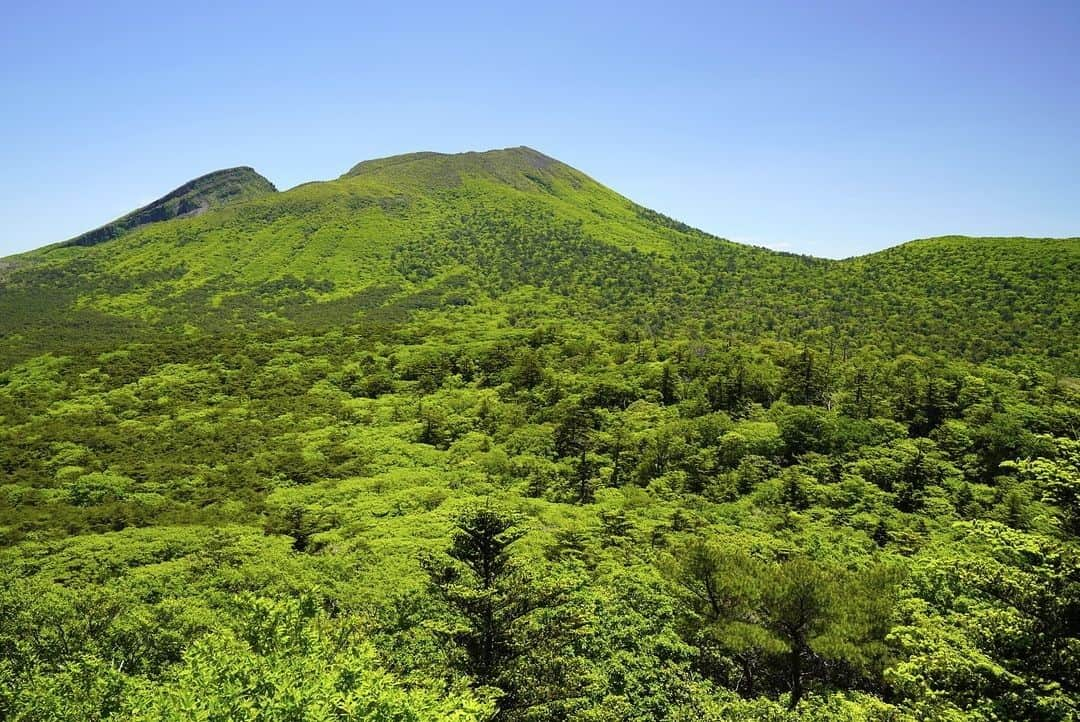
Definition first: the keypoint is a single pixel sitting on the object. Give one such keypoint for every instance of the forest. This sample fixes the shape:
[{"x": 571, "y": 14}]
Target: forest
[{"x": 473, "y": 437}]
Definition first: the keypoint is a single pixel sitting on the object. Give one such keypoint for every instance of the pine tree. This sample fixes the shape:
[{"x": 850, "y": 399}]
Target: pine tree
[
  {"x": 881, "y": 534},
  {"x": 668, "y": 392},
  {"x": 497, "y": 605}
]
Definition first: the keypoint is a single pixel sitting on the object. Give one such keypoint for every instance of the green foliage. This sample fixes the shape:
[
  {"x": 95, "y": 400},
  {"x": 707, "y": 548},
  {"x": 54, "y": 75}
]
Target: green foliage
[
  {"x": 510, "y": 628},
  {"x": 195, "y": 197},
  {"x": 1058, "y": 478},
  {"x": 287, "y": 661},
  {"x": 772, "y": 626},
  {"x": 455, "y": 437}
]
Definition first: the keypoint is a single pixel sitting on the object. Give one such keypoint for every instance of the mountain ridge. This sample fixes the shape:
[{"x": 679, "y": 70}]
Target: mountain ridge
[
  {"x": 195, "y": 197},
  {"x": 489, "y": 158},
  {"x": 416, "y": 231},
  {"x": 189, "y": 194}
]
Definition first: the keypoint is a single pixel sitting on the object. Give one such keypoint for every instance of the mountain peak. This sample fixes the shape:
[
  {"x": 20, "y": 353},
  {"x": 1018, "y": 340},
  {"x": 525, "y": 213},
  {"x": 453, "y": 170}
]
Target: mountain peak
[
  {"x": 521, "y": 154},
  {"x": 193, "y": 198},
  {"x": 516, "y": 166}
]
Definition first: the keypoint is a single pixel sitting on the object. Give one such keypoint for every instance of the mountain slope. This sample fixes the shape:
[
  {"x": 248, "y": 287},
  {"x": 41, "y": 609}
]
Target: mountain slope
[
  {"x": 399, "y": 235},
  {"x": 191, "y": 199},
  {"x": 474, "y": 437},
  {"x": 1020, "y": 293}
]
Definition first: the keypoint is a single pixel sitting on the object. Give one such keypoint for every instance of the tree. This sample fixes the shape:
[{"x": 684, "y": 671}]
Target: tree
[
  {"x": 778, "y": 625},
  {"x": 805, "y": 380},
  {"x": 1058, "y": 479},
  {"x": 803, "y": 429},
  {"x": 581, "y": 480},
  {"x": 668, "y": 391},
  {"x": 799, "y": 604},
  {"x": 720, "y": 592},
  {"x": 288, "y": 660},
  {"x": 881, "y": 534},
  {"x": 527, "y": 371},
  {"x": 433, "y": 418},
  {"x": 793, "y": 490},
  {"x": 574, "y": 430},
  {"x": 503, "y": 618},
  {"x": 575, "y": 437}
]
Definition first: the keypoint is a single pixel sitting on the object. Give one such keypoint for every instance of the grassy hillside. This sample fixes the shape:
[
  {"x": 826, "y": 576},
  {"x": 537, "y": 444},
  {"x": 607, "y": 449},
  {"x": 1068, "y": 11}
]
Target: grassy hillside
[
  {"x": 408, "y": 230},
  {"x": 191, "y": 199},
  {"x": 473, "y": 437}
]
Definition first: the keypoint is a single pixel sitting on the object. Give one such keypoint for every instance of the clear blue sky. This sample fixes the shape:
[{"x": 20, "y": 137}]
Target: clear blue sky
[{"x": 834, "y": 130}]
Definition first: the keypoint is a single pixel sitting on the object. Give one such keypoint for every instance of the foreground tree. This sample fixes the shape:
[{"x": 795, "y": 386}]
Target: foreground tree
[
  {"x": 781, "y": 625},
  {"x": 507, "y": 629}
]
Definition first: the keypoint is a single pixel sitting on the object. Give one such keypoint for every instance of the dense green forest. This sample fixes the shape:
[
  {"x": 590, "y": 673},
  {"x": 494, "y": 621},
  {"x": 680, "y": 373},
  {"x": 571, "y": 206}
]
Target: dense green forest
[{"x": 473, "y": 437}]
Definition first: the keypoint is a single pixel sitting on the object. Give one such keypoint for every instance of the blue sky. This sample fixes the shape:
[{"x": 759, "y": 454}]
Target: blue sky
[{"x": 826, "y": 128}]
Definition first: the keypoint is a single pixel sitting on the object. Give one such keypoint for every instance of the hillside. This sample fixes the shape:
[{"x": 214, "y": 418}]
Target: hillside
[
  {"x": 395, "y": 235},
  {"x": 474, "y": 437},
  {"x": 191, "y": 199}
]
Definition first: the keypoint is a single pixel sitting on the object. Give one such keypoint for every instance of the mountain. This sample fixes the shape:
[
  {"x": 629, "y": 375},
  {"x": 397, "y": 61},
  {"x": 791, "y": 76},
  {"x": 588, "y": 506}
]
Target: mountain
[
  {"x": 474, "y": 437},
  {"x": 191, "y": 199},
  {"x": 399, "y": 234}
]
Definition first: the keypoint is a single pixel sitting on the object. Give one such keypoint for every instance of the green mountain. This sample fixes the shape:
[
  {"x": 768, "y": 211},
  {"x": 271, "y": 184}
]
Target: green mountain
[
  {"x": 191, "y": 199},
  {"x": 474, "y": 437},
  {"x": 412, "y": 231}
]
